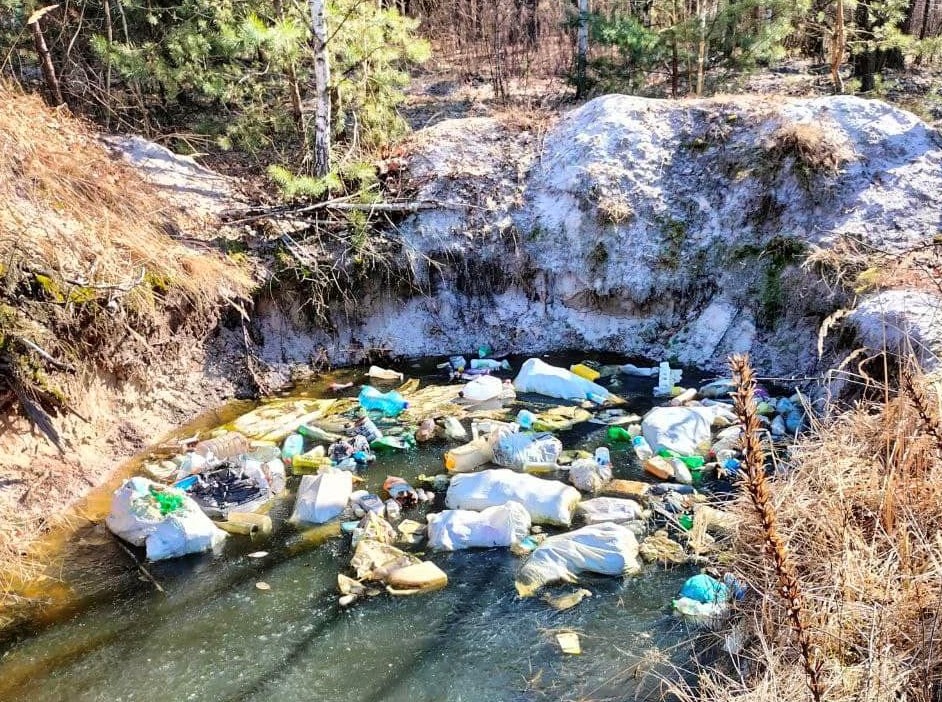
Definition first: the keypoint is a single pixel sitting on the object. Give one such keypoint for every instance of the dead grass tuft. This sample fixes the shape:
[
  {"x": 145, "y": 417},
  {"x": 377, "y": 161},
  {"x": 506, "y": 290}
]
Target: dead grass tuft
[{"x": 814, "y": 149}]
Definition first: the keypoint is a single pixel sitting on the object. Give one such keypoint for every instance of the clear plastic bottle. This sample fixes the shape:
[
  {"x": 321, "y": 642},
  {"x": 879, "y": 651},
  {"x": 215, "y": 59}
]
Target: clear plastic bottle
[
  {"x": 226, "y": 446},
  {"x": 642, "y": 448},
  {"x": 393, "y": 511}
]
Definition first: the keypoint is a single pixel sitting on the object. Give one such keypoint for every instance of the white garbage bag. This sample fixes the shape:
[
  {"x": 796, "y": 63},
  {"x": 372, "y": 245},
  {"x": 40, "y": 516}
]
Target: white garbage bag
[
  {"x": 607, "y": 548},
  {"x": 547, "y": 501},
  {"x": 136, "y": 517},
  {"x": 180, "y": 534},
  {"x": 589, "y": 475},
  {"x": 487, "y": 387},
  {"x": 322, "y": 497},
  {"x": 515, "y": 450},
  {"x": 456, "y": 529},
  {"x": 539, "y": 377},
  {"x": 609, "y": 509},
  {"x": 685, "y": 430}
]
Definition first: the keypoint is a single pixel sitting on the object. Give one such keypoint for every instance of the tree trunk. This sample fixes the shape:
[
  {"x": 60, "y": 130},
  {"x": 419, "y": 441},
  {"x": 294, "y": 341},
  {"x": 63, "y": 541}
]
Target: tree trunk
[
  {"x": 45, "y": 59},
  {"x": 321, "y": 154},
  {"x": 701, "y": 45},
  {"x": 838, "y": 47},
  {"x": 582, "y": 48},
  {"x": 865, "y": 61}
]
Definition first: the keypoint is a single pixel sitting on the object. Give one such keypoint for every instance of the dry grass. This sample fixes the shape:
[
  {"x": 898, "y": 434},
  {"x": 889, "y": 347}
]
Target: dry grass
[
  {"x": 813, "y": 147},
  {"x": 860, "y": 510},
  {"x": 89, "y": 266}
]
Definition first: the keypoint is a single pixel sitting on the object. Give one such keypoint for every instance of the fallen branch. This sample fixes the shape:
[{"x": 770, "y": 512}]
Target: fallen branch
[
  {"x": 140, "y": 566},
  {"x": 342, "y": 204},
  {"x": 45, "y": 355}
]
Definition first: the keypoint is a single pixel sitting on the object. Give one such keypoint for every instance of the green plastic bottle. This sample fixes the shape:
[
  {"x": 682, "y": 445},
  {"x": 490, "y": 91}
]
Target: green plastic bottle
[{"x": 618, "y": 434}]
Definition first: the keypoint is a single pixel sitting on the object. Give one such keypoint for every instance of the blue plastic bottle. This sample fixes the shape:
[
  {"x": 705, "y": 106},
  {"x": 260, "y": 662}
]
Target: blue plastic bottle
[
  {"x": 294, "y": 444},
  {"x": 389, "y": 403}
]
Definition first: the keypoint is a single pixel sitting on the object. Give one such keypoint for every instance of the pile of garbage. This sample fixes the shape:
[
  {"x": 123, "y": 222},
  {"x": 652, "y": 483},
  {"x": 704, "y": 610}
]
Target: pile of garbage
[{"x": 510, "y": 484}]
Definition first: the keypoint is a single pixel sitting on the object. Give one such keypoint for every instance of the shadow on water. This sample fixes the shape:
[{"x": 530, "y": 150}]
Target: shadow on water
[{"x": 213, "y": 636}]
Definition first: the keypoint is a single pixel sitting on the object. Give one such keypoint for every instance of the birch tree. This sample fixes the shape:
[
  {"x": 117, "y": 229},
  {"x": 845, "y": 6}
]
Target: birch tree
[{"x": 321, "y": 151}]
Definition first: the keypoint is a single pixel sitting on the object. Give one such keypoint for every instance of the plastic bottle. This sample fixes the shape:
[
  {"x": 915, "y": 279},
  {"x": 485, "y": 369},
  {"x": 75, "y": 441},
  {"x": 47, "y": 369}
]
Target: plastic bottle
[
  {"x": 293, "y": 445},
  {"x": 393, "y": 512},
  {"x": 618, "y": 434},
  {"x": 384, "y": 374},
  {"x": 596, "y": 398},
  {"x": 525, "y": 419},
  {"x": 682, "y": 473},
  {"x": 366, "y": 427},
  {"x": 642, "y": 448},
  {"x": 226, "y": 446},
  {"x": 458, "y": 363},
  {"x": 389, "y": 403},
  {"x": 602, "y": 456},
  {"x": 315, "y": 433},
  {"x": 489, "y": 364}
]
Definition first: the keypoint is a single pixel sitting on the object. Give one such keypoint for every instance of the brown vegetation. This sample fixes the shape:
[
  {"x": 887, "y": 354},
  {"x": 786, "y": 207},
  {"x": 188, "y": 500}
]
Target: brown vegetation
[
  {"x": 858, "y": 506},
  {"x": 95, "y": 281}
]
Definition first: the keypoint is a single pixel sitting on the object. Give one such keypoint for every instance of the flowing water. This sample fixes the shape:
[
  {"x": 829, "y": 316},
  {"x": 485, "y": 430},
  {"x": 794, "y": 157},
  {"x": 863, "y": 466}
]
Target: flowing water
[{"x": 212, "y": 635}]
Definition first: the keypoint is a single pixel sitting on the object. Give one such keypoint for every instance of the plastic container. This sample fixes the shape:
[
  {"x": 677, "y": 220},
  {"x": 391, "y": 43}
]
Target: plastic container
[
  {"x": 249, "y": 523},
  {"x": 393, "y": 511},
  {"x": 602, "y": 456},
  {"x": 642, "y": 448},
  {"x": 389, "y": 403},
  {"x": 659, "y": 467},
  {"x": 222, "y": 447},
  {"x": 458, "y": 363},
  {"x": 584, "y": 371},
  {"x": 293, "y": 445},
  {"x": 469, "y": 456}
]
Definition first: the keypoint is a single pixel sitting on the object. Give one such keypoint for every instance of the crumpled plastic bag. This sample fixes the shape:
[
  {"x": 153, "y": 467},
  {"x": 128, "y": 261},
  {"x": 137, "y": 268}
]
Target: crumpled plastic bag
[
  {"x": 457, "y": 529},
  {"x": 515, "y": 450},
  {"x": 588, "y": 475},
  {"x": 607, "y": 548},
  {"x": 609, "y": 509},
  {"x": 542, "y": 378}
]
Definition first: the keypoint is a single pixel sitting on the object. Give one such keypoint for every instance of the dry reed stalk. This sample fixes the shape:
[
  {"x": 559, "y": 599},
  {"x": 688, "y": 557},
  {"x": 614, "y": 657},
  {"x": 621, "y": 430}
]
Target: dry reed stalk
[
  {"x": 775, "y": 548},
  {"x": 924, "y": 408}
]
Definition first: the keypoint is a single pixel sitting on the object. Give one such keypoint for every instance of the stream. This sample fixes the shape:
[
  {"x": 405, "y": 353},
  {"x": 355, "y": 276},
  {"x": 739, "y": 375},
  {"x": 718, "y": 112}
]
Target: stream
[{"x": 110, "y": 634}]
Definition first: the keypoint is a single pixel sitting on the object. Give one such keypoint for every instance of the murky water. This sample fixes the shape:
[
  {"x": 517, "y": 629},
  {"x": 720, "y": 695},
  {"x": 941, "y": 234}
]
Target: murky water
[{"x": 211, "y": 635}]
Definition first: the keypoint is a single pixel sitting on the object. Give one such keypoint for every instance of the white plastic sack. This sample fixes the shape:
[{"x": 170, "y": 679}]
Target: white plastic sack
[
  {"x": 609, "y": 509},
  {"x": 547, "y": 501},
  {"x": 539, "y": 377},
  {"x": 132, "y": 517},
  {"x": 456, "y": 529},
  {"x": 588, "y": 475},
  {"x": 607, "y": 548},
  {"x": 322, "y": 497},
  {"x": 515, "y": 450},
  {"x": 483, "y": 388},
  {"x": 179, "y": 534},
  {"x": 136, "y": 518},
  {"x": 685, "y": 430}
]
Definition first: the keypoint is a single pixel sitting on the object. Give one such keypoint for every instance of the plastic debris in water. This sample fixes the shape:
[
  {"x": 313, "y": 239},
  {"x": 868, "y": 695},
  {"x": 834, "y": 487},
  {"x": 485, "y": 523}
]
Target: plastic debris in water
[
  {"x": 258, "y": 554},
  {"x": 262, "y": 586},
  {"x": 569, "y": 642}
]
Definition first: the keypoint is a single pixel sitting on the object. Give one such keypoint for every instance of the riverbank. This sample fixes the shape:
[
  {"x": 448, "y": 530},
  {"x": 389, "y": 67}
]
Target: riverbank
[{"x": 107, "y": 297}]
